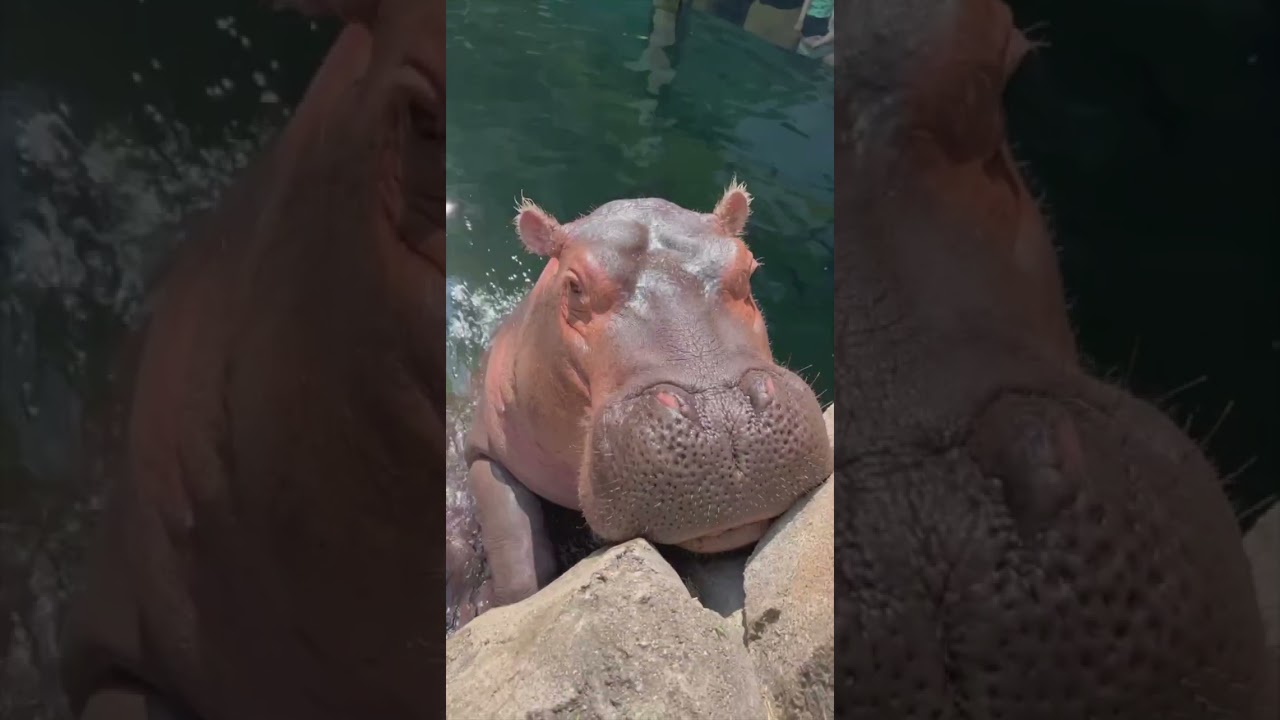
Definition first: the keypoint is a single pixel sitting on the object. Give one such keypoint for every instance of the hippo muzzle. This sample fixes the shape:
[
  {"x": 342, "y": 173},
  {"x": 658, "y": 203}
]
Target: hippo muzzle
[
  {"x": 705, "y": 468},
  {"x": 635, "y": 383}
]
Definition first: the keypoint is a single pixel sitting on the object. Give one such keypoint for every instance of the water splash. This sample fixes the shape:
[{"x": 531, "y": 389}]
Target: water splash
[{"x": 474, "y": 312}]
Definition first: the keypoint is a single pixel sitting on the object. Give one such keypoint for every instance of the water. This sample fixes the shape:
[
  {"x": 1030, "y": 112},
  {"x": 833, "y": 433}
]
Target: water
[{"x": 574, "y": 103}]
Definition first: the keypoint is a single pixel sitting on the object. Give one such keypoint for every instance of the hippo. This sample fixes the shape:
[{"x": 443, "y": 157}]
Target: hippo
[
  {"x": 634, "y": 387},
  {"x": 1015, "y": 537},
  {"x": 270, "y": 538}
]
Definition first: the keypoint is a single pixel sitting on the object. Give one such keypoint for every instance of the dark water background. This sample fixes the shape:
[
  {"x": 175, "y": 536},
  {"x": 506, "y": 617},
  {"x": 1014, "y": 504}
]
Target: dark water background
[{"x": 575, "y": 103}]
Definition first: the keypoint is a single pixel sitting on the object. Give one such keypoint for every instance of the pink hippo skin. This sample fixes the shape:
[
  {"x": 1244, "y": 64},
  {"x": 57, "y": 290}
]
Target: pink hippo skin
[
  {"x": 1015, "y": 539},
  {"x": 635, "y": 383},
  {"x": 271, "y": 541}
]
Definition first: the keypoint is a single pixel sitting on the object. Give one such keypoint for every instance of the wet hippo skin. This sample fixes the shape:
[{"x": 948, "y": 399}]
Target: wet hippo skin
[
  {"x": 1017, "y": 539},
  {"x": 271, "y": 543},
  {"x": 634, "y": 386}
]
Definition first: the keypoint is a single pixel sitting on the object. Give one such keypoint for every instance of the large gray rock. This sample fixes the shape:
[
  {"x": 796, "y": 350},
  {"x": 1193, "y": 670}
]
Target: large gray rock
[
  {"x": 790, "y": 611},
  {"x": 618, "y": 636}
]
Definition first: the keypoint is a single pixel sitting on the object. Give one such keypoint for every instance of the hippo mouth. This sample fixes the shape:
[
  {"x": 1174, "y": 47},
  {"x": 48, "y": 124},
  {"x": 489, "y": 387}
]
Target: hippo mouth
[
  {"x": 738, "y": 536},
  {"x": 707, "y": 470}
]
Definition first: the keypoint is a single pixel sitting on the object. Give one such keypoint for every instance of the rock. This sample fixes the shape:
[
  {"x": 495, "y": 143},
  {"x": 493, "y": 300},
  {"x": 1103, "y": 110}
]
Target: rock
[
  {"x": 618, "y": 636},
  {"x": 715, "y": 581},
  {"x": 790, "y": 614}
]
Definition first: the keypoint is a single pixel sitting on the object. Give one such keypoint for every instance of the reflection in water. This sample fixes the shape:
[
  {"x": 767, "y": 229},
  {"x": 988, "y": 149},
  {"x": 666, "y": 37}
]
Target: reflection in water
[
  {"x": 654, "y": 58},
  {"x": 801, "y": 26}
]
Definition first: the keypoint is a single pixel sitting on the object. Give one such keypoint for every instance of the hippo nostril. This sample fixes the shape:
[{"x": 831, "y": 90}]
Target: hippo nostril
[
  {"x": 759, "y": 388},
  {"x": 674, "y": 398}
]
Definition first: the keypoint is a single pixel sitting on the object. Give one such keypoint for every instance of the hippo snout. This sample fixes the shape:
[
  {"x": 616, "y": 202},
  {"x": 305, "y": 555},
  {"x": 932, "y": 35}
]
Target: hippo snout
[
  {"x": 758, "y": 386},
  {"x": 759, "y": 389},
  {"x": 705, "y": 468}
]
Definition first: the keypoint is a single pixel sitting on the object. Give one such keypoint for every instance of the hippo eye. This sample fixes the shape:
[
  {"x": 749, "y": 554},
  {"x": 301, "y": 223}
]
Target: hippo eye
[
  {"x": 575, "y": 304},
  {"x": 425, "y": 123},
  {"x": 739, "y": 283},
  {"x": 575, "y": 295}
]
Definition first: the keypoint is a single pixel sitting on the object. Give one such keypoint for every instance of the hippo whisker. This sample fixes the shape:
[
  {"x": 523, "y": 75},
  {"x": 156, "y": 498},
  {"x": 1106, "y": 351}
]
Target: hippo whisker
[
  {"x": 1063, "y": 519},
  {"x": 1133, "y": 361},
  {"x": 1222, "y": 417},
  {"x": 1231, "y": 477},
  {"x": 1194, "y": 382},
  {"x": 1263, "y": 503}
]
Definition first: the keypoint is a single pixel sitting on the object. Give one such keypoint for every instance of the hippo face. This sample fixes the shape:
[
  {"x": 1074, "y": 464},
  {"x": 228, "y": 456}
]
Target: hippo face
[
  {"x": 999, "y": 506},
  {"x": 377, "y": 106},
  {"x": 921, "y": 91},
  {"x": 695, "y": 436},
  {"x": 361, "y": 161},
  {"x": 285, "y": 423}
]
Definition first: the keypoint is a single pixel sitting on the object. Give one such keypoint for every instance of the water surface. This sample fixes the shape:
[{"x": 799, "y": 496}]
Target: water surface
[{"x": 574, "y": 103}]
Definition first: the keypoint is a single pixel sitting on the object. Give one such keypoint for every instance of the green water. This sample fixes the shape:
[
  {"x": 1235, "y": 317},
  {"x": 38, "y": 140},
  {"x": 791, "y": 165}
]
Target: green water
[{"x": 564, "y": 102}]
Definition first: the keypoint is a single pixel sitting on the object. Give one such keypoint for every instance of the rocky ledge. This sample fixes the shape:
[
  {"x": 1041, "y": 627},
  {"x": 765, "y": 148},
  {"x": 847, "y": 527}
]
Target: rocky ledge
[
  {"x": 627, "y": 633},
  {"x": 624, "y": 635}
]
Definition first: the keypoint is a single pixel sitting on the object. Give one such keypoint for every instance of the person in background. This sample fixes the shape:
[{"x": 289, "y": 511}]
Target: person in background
[
  {"x": 817, "y": 25},
  {"x": 775, "y": 21}
]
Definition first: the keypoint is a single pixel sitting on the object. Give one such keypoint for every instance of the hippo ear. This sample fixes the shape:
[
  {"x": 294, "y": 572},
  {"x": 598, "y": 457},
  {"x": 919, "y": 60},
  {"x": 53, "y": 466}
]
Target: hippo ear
[
  {"x": 734, "y": 208},
  {"x": 538, "y": 230},
  {"x": 1015, "y": 50}
]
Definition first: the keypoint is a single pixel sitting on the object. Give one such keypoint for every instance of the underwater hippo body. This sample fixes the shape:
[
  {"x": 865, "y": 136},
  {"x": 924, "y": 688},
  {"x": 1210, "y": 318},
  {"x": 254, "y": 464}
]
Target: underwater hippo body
[
  {"x": 635, "y": 383},
  {"x": 269, "y": 548},
  {"x": 1018, "y": 539}
]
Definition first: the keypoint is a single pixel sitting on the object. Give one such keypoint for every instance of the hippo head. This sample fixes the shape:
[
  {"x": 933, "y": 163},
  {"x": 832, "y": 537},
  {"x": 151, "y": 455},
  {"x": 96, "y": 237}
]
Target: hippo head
[
  {"x": 352, "y": 213},
  {"x": 287, "y": 414},
  {"x": 1024, "y": 541},
  {"x": 364, "y": 150},
  {"x": 949, "y": 249},
  {"x": 695, "y": 436}
]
